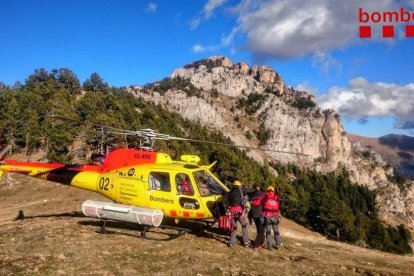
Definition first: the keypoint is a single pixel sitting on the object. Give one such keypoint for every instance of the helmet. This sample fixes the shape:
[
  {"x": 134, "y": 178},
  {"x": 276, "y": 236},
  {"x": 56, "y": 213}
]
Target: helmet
[
  {"x": 236, "y": 183},
  {"x": 270, "y": 188}
]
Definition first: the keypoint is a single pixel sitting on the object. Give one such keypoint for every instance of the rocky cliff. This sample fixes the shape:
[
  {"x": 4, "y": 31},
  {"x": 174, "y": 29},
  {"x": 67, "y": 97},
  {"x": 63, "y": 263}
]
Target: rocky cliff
[
  {"x": 254, "y": 107},
  {"x": 396, "y": 150}
]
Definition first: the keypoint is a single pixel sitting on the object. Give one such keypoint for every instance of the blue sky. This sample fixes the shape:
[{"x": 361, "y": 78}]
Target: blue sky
[{"x": 313, "y": 44}]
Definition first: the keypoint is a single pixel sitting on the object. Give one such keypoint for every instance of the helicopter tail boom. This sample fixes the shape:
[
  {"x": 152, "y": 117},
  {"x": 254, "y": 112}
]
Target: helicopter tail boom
[{"x": 84, "y": 177}]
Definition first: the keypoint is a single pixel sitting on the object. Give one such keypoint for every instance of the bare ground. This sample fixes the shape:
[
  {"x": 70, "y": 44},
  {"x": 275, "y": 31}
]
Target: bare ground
[{"x": 54, "y": 238}]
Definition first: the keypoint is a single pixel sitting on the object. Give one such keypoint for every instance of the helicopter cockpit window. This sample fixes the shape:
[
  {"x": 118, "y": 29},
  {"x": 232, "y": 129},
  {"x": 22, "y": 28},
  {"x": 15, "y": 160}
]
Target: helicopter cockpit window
[
  {"x": 183, "y": 183},
  {"x": 159, "y": 181},
  {"x": 207, "y": 185}
]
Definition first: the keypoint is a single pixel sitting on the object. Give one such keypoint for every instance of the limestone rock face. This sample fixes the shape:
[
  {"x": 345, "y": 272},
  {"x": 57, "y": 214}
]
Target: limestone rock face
[
  {"x": 291, "y": 121},
  {"x": 192, "y": 108},
  {"x": 228, "y": 78},
  {"x": 243, "y": 68},
  {"x": 335, "y": 146},
  {"x": 395, "y": 207}
]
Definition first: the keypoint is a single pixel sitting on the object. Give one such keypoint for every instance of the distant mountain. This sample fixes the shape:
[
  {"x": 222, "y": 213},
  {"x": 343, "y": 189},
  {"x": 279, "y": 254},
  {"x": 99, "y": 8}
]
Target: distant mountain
[{"x": 397, "y": 150}]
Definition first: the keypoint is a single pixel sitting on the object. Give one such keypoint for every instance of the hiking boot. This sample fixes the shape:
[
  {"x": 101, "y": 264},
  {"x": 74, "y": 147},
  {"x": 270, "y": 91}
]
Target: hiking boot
[
  {"x": 230, "y": 245},
  {"x": 278, "y": 246},
  {"x": 247, "y": 244}
]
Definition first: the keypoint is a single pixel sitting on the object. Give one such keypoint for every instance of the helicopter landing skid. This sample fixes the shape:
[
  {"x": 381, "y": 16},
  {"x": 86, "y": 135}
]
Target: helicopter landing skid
[
  {"x": 146, "y": 229},
  {"x": 181, "y": 231}
]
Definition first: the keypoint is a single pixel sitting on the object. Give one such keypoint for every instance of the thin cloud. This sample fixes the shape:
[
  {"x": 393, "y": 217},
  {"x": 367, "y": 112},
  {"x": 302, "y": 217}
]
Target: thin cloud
[
  {"x": 211, "y": 6},
  {"x": 208, "y": 11},
  {"x": 198, "y": 48},
  {"x": 362, "y": 99},
  {"x": 151, "y": 7},
  {"x": 305, "y": 87},
  {"x": 325, "y": 63},
  {"x": 194, "y": 23}
]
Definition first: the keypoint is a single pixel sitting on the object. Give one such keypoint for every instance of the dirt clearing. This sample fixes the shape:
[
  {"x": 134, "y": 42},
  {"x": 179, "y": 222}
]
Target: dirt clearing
[{"x": 54, "y": 238}]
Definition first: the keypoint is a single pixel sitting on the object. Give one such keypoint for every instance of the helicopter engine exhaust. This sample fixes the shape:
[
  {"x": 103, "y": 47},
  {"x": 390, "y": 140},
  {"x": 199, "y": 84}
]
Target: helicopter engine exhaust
[{"x": 122, "y": 212}]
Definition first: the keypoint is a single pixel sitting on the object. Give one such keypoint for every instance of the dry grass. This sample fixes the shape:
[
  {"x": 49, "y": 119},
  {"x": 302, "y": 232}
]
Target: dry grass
[{"x": 56, "y": 239}]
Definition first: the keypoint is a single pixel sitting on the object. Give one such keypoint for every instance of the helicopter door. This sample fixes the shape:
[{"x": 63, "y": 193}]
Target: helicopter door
[
  {"x": 159, "y": 193},
  {"x": 188, "y": 200}
]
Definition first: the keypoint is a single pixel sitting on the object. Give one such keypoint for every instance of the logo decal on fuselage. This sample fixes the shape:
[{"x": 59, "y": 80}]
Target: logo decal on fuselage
[
  {"x": 161, "y": 199},
  {"x": 131, "y": 172}
]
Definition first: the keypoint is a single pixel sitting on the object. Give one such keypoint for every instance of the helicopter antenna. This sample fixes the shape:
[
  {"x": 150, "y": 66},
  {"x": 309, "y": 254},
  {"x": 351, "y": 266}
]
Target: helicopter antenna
[
  {"x": 102, "y": 141},
  {"x": 148, "y": 136}
]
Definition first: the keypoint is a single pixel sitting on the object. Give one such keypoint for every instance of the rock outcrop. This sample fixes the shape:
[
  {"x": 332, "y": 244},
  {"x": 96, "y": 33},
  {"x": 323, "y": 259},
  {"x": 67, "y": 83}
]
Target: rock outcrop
[{"x": 254, "y": 107}]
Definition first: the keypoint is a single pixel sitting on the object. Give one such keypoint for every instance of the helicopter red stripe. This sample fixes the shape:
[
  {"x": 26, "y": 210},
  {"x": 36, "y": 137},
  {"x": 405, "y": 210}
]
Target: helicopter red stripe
[
  {"x": 91, "y": 168},
  {"x": 173, "y": 213},
  {"x": 128, "y": 157},
  {"x": 34, "y": 164},
  {"x": 52, "y": 166},
  {"x": 14, "y": 170},
  {"x": 186, "y": 214},
  {"x": 200, "y": 215}
]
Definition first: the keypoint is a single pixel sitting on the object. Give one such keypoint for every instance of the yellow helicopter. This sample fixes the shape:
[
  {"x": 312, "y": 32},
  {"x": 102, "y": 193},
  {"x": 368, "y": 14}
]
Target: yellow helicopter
[{"x": 141, "y": 181}]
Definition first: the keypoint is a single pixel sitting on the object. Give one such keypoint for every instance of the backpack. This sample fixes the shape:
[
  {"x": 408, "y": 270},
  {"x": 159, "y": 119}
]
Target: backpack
[
  {"x": 257, "y": 201},
  {"x": 271, "y": 203},
  {"x": 234, "y": 197},
  {"x": 225, "y": 223}
]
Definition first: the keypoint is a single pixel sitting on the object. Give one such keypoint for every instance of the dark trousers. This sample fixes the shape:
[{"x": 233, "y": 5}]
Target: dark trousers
[
  {"x": 272, "y": 223},
  {"x": 239, "y": 216},
  {"x": 260, "y": 232}
]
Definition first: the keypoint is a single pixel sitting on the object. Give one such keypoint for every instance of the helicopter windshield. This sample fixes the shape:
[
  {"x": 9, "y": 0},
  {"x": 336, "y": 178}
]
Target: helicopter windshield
[{"x": 207, "y": 185}]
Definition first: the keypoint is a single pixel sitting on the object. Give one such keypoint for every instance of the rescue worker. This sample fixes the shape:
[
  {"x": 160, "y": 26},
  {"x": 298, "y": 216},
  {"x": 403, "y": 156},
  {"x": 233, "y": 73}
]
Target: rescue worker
[
  {"x": 235, "y": 199},
  {"x": 185, "y": 186},
  {"x": 256, "y": 209},
  {"x": 203, "y": 186},
  {"x": 271, "y": 218}
]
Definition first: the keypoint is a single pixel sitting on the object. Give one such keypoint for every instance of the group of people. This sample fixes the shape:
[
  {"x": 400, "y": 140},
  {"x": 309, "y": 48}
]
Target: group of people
[{"x": 263, "y": 211}]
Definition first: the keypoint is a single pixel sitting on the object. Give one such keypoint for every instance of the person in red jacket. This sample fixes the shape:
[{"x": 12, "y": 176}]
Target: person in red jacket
[
  {"x": 271, "y": 218},
  {"x": 185, "y": 186}
]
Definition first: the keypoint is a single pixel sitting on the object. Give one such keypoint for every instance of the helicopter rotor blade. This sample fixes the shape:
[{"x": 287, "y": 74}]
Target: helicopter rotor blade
[
  {"x": 109, "y": 129},
  {"x": 120, "y": 133},
  {"x": 236, "y": 146},
  {"x": 152, "y": 134}
]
